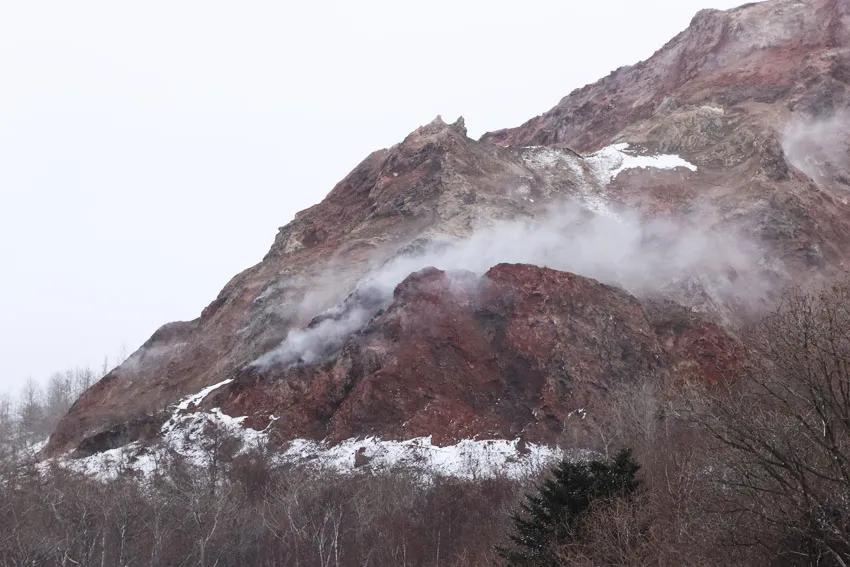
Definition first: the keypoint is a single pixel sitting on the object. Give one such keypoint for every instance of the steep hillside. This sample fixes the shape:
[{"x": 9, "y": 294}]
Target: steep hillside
[{"x": 462, "y": 289}]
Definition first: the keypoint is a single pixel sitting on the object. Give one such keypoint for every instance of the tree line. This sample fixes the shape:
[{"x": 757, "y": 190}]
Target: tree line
[{"x": 31, "y": 416}]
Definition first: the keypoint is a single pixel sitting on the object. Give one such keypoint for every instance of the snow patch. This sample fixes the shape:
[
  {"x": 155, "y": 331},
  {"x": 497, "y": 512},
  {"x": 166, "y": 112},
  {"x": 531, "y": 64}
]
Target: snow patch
[
  {"x": 112, "y": 464},
  {"x": 611, "y": 161},
  {"x": 190, "y": 435},
  {"x": 468, "y": 459},
  {"x": 195, "y": 399}
]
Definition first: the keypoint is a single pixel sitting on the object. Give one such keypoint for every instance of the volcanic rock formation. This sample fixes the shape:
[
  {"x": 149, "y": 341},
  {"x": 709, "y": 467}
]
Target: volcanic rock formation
[
  {"x": 455, "y": 356},
  {"x": 694, "y": 186}
]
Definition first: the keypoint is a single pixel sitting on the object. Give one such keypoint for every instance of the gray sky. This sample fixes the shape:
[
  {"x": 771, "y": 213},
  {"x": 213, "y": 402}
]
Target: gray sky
[{"x": 149, "y": 150}]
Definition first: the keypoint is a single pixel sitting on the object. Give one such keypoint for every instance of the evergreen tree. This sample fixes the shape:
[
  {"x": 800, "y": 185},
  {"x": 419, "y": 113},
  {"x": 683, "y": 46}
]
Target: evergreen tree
[{"x": 554, "y": 514}]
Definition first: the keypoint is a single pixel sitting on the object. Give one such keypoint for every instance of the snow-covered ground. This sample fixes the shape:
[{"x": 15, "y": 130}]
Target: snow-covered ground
[
  {"x": 469, "y": 458},
  {"x": 188, "y": 433}
]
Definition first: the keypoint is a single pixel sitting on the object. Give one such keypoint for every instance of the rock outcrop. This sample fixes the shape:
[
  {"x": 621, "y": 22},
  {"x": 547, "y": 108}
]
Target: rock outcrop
[{"x": 511, "y": 354}]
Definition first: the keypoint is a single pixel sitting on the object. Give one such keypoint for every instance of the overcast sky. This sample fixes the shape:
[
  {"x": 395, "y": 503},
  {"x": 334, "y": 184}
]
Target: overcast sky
[{"x": 149, "y": 150}]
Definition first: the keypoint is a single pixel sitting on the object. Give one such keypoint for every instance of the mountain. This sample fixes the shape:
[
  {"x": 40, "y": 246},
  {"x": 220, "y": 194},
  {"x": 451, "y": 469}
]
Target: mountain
[{"x": 464, "y": 289}]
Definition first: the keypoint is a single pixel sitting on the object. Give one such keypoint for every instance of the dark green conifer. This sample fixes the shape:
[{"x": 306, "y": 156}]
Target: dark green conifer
[{"x": 553, "y": 515}]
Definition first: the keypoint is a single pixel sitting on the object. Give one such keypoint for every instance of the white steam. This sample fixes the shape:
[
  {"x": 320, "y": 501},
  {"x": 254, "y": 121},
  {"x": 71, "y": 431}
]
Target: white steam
[
  {"x": 642, "y": 256},
  {"x": 320, "y": 339},
  {"x": 820, "y": 148}
]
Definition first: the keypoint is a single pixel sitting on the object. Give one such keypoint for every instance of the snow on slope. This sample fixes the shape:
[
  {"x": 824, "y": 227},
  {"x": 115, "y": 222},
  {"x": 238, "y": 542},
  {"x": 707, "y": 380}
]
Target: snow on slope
[
  {"x": 189, "y": 434},
  {"x": 611, "y": 161},
  {"x": 195, "y": 399},
  {"x": 469, "y": 458},
  {"x": 594, "y": 172}
]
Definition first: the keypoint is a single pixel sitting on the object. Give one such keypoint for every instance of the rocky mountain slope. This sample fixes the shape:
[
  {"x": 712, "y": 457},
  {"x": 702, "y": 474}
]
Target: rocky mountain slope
[
  {"x": 509, "y": 354},
  {"x": 489, "y": 289}
]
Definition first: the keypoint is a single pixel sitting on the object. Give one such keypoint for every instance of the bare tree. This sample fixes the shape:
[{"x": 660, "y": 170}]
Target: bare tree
[
  {"x": 31, "y": 412},
  {"x": 784, "y": 434}
]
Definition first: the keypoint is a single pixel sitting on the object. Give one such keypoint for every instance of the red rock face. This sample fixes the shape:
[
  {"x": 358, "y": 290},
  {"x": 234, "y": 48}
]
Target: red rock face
[
  {"x": 515, "y": 352},
  {"x": 507, "y": 355}
]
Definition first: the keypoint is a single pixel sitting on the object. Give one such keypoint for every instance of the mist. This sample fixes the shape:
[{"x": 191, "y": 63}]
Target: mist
[
  {"x": 622, "y": 248},
  {"x": 819, "y": 147}
]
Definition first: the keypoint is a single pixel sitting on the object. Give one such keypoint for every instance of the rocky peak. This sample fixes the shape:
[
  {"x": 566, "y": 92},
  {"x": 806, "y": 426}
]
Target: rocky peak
[{"x": 437, "y": 128}]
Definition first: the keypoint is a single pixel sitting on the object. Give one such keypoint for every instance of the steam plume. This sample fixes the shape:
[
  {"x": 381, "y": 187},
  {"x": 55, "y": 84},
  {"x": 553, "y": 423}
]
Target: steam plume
[{"x": 642, "y": 256}]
